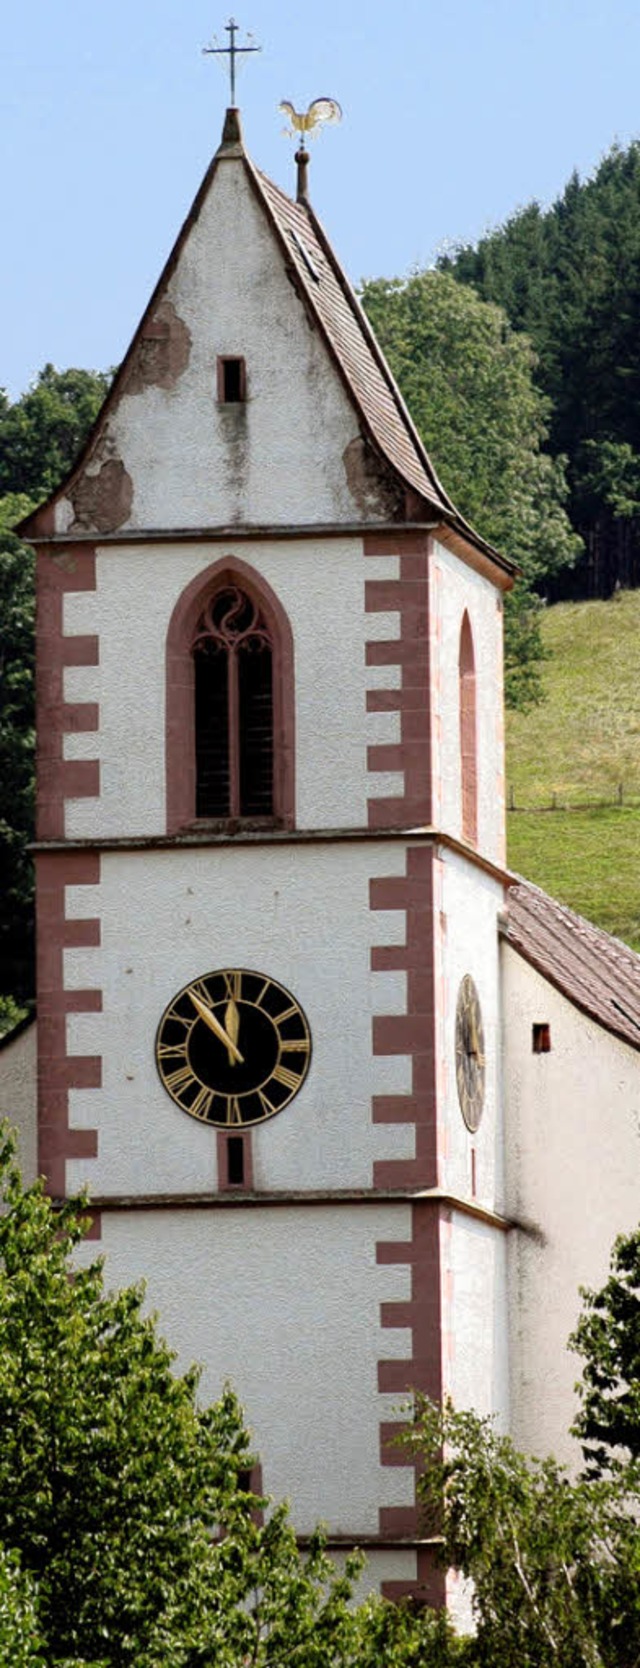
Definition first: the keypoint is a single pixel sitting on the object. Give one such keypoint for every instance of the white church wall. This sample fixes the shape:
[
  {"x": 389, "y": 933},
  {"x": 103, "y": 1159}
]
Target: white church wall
[
  {"x": 284, "y": 1304},
  {"x": 476, "y": 1337},
  {"x": 322, "y": 589},
  {"x": 305, "y": 920},
  {"x": 467, "y": 936},
  {"x": 278, "y": 456},
  {"x": 573, "y": 1172},
  {"x": 454, "y": 588}
]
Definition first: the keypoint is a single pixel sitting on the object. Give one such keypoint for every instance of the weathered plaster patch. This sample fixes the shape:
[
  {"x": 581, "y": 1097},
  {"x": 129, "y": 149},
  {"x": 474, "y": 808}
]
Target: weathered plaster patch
[
  {"x": 373, "y": 486},
  {"x": 102, "y": 501},
  {"x": 161, "y": 353}
]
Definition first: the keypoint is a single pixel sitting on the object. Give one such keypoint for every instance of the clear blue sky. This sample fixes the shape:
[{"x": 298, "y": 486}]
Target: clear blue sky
[{"x": 454, "y": 115}]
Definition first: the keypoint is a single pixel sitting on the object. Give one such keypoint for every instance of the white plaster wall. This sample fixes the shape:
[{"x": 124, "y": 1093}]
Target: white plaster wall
[
  {"x": 300, "y": 914},
  {"x": 476, "y": 1342},
  {"x": 454, "y": 587},
  {"x": 284, "y": 1303},
  {"x": 321, "y": 587},
  {"x": 278, "y": 458},
  {"x": 18, "y": 1092},
  {"x": 467, "y": 942},
  {"x": 573, "y": 1173}
]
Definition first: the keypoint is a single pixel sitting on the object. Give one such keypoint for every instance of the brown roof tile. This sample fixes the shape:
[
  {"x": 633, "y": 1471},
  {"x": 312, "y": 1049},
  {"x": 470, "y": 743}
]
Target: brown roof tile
[{"x": 598, "y": 973}]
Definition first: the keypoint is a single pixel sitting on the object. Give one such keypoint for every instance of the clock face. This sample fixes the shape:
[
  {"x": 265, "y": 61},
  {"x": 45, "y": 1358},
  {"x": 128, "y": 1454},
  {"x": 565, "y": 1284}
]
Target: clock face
[
  {"x": 233, "y": 1048},
  {"x": 470, "y": 1059}
]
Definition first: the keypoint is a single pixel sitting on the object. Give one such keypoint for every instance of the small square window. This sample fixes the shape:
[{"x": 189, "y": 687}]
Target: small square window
[
  {"x": 232, "y": 381},
  {"x": 541, "y": 1038}
]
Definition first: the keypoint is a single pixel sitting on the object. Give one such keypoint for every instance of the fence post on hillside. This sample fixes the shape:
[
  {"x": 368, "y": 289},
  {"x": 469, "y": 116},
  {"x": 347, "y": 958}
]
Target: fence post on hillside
[
  {"x": 554, "y": 801},
  {"x": 512, "y": 800},
  {"x": 620, "y": 792}
]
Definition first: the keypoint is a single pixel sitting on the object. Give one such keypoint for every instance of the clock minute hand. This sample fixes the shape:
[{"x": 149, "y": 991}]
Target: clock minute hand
[{"x": 214, "y": 1025}]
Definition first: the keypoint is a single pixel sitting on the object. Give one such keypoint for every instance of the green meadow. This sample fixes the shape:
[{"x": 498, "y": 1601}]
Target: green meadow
[{"x": 573, "y": 766}]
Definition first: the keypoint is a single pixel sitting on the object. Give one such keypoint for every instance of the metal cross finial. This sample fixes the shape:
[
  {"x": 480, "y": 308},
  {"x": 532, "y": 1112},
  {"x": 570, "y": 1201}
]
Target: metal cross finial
[{"x": 231, "y": 51}]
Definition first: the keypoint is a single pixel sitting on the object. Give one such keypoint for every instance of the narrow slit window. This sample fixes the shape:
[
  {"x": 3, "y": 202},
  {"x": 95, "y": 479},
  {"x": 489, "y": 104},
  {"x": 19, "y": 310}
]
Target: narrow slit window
[
  {"x": 231, "y": 381},
  {"x": 235, "y": 1161},
  {"x": 468, "y": 733},
  {"x": 234, "y": 729},
  {"x": 541, "y": 1038}
]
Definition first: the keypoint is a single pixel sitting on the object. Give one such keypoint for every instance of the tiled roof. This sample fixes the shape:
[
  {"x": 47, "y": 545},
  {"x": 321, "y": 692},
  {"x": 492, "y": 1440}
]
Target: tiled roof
[{"x": 596, "y": 972}]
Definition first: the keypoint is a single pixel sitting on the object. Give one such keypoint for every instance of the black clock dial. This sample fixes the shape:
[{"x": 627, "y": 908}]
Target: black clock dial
[
  {"x": 470, "y": 1056},
  {"x": 233, "y": 1048}
]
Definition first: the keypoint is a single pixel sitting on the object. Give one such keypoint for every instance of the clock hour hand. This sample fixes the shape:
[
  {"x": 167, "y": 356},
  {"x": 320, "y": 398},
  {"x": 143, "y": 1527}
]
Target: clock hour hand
[{"x": 209, "y": 1018}]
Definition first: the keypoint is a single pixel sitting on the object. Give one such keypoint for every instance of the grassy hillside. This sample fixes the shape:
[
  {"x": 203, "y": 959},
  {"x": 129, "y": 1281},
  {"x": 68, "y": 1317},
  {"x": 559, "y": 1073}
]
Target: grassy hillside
[{"x": 580, "y": 752}]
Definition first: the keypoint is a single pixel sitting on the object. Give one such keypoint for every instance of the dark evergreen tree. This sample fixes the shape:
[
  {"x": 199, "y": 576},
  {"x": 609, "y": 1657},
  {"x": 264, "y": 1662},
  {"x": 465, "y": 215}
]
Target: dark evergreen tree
[{"x": 570, "y": 277}]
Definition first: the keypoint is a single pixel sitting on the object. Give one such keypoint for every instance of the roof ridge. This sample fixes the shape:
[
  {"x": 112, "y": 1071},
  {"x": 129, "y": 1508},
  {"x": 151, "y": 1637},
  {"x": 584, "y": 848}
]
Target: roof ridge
[{"x": 589, "y": 966}]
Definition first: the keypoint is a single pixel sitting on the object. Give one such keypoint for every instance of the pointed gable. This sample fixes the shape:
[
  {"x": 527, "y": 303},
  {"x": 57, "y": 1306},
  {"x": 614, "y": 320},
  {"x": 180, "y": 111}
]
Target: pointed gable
[{"x": 316, "y": 433}]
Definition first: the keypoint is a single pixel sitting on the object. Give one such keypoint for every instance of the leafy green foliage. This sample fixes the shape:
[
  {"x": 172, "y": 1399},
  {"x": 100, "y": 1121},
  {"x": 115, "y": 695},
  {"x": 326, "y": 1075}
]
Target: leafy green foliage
[
  {"x": 125, "y": 1501},
  {"x": 570, "y": 277},
  {"x": 608, "y": 1339},
  {"x": 17, "y": 738},
  {"x": 468, "y": 380},
  {"x": 555, "y": 1564},
  {"x": 41, "y": 434},
  {"x": 20, "y": 1641}
]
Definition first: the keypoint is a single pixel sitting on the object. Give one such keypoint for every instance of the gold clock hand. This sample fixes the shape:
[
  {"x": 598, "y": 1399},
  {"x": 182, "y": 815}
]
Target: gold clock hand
[
  {"x": 232, "y": 1027},
  {"x": 214, "y": 1025}
]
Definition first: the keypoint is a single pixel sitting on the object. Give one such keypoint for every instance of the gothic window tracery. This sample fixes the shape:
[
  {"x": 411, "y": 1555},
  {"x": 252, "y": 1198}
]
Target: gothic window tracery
[{"x": 234, "y": 708}]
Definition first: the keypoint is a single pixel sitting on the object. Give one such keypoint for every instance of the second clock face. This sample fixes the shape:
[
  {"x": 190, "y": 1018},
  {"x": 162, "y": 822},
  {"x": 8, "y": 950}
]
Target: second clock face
[
  {"x": 233, "y": 1048},
  {"x": 470, "y": 1057}
]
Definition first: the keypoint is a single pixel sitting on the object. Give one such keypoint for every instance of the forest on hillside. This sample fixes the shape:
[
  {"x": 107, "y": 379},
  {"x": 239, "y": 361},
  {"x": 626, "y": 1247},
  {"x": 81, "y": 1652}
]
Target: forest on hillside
[
  {"x": 520, "y": 362},
  {"x": 569, "y": 277}
]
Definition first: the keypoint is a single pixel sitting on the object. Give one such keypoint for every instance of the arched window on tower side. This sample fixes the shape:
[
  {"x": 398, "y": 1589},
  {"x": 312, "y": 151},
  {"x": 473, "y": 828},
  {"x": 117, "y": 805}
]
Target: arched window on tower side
[
  {"x": 468, "y": 733},
  {"x": 233, "y": 665},
  {"x": 230, "y": 720}
]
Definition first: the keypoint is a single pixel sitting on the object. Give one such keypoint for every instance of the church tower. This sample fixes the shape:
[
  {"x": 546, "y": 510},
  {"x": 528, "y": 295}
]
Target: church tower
[{"x": 270, "y": 866}]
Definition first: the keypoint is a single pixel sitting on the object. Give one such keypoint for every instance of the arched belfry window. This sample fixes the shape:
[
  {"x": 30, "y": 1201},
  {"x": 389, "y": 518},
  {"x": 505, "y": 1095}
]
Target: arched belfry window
[
  {"x": 230, "y": 725},
  {"x": 468, "y": 733},
  {"x": 233, "y": 663}
]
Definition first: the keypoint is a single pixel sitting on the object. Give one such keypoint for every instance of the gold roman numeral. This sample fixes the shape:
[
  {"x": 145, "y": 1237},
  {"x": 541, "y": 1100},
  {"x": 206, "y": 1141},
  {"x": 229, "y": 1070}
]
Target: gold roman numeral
[
  {"x": 282, "y": 1074},
  {"x": 267, "y": 1108},
  {"x": 180, "y": 1018},
  {"x": 169, "y": 1050},
  {"x": 200, "y": 989},
  {"x": 234, "y": 1115},
  {"x": 287, "y": 1014},
  {"x": 202, "y": 1104},
  {"x": 299, "y": 1047},
  {"x": 233, "y": 982},
  {"x": 263, "y": 992},
  {"x": 179, "y": 1080}
]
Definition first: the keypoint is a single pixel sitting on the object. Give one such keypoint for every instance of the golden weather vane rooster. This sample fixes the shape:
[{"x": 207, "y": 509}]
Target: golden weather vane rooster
[{"x": 320, "y": 111}]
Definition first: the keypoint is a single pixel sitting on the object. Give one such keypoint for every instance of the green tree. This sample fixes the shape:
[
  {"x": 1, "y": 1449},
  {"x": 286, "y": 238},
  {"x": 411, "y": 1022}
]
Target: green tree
[
  {"x": 17, "y": 737},
  {"x": 20, "y": 1641},
  {"x": 607, "y": 1338},
  {"x": 555, "y": 1564},
  {"x": 570, "y": 277},
  {"x": 42, "y": 432},
  {"x": 126, "y": 1502},
  {"x": 468, "y": 380}
]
